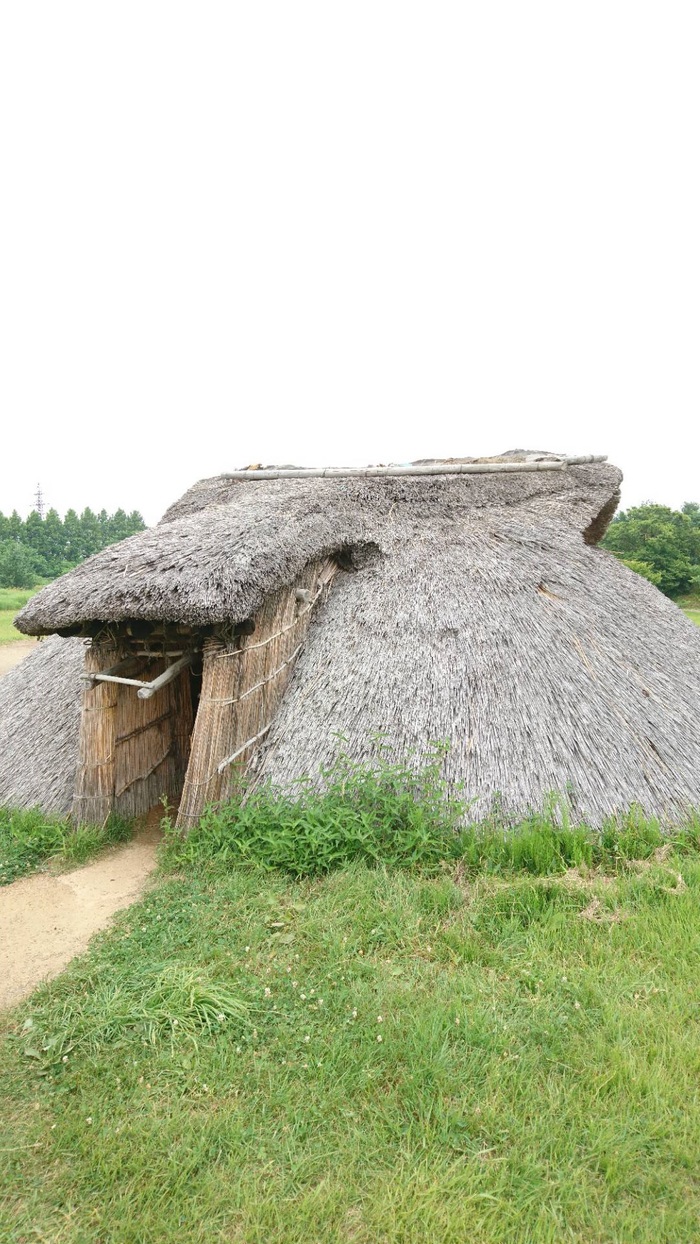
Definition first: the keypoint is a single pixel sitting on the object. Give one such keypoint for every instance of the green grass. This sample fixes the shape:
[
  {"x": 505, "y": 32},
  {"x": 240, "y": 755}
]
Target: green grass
[
  {"x": 691, "y": 606},
  {"x": 488, "y": 1045},
  {"x": 403, "y": 819},
  {"x": 30, "y": 838},
  {"x": 12, "y": 600}
]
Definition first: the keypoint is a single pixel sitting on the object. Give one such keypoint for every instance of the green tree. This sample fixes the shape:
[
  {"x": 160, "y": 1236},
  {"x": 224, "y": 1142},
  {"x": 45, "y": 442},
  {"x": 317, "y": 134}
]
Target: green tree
[
  {"x": 20, "y": 565},
  {"x": 90, "y": 533},
  {"x": 665, "y": 541},
  {"x": 135, "y": 523},
  {"x": 54, "y": 543},
  {"x": 72, "y": 543},
  {"x": 15, "y": 526},
  {"x": 34, "y": 535}
]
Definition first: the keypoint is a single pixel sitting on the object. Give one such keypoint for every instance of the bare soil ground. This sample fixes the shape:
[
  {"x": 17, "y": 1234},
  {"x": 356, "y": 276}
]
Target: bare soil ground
[
  {"x": 46, "y": 920},
  {"x": 12, "y": 654}
]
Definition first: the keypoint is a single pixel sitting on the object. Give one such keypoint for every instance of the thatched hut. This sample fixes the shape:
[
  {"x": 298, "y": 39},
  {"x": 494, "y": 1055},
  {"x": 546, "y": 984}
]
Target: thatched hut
[{"x": 271, "y": 614}]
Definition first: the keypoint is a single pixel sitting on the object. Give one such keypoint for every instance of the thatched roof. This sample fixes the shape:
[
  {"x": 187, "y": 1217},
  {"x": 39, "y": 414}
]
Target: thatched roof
[
  {"x": 474, "y": 609},
  {"x": 39, "y": 716},
  {"x": 226, "y": 545}
]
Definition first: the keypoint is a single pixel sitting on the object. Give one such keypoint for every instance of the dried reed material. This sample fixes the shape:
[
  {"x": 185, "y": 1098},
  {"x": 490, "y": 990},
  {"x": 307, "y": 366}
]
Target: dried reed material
[
  {"x": 546, "y": 664},
  {"x": 226, "y": 546},
  {"x": 242, "y": 688},
  {"x": 132, "y": 752},
  {"x": 39, "y": 720},
  {"x": 94, "y": 779},
  {"x": 152, "y": 743},
  {"x": 475, "y": 609}
]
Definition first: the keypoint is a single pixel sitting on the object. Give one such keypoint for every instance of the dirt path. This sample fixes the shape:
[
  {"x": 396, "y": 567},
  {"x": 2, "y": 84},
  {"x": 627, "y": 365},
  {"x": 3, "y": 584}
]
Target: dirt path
[
  {"x": 46, "y": 920},
  {"x": 12, "y": 654}
]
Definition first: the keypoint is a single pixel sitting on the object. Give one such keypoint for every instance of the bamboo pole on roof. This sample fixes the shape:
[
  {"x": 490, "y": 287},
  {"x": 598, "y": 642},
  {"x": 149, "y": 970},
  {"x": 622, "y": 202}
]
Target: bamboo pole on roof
[{"x": 414, "y": 468}]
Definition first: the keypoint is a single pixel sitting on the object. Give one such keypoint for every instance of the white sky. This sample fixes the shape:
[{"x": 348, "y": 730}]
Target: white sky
[{"x": 340, "y": 233}]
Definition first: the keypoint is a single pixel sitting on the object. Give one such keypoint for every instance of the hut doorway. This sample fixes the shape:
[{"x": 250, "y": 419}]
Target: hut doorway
[
  {"x": 171, "y": 712},
  {"x": 139, "y": 707}
]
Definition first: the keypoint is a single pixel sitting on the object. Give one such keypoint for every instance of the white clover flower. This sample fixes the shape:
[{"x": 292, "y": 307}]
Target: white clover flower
[
  {"x": 380, "y": 1038},
  {"x": 307, "y": 1039},
  {"x": 380, "y": 1019},
  {"x": 268, "y": 992},
  {"x": 303, "y": 997}
]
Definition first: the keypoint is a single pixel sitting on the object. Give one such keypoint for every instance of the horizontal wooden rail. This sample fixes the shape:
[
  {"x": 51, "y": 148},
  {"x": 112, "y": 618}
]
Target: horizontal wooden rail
[{"x": 145, "y": 689}]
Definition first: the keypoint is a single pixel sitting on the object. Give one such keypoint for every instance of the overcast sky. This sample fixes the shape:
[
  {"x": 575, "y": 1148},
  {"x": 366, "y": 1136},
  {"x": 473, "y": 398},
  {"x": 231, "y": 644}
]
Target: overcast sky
[{"x": 341, "y": 233}]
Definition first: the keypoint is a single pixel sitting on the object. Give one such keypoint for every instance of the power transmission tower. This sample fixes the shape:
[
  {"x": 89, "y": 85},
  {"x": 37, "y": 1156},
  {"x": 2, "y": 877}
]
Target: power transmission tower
[{"x": 39, "y": 501}]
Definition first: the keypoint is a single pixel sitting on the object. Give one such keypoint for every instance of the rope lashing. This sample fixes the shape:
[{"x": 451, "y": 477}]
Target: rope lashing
[
  {"x": 238, "y": 652},
  {"x": 263, "y": 683}
]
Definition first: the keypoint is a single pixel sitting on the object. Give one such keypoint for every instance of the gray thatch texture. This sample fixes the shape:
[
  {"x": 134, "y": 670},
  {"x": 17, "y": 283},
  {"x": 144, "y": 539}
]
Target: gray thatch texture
[
  {"x": 546, "y": 664},
  {"x": 227, "y": 545},
  {"x": 478, "y": 612},
  {"x": 39, "y": 719}
]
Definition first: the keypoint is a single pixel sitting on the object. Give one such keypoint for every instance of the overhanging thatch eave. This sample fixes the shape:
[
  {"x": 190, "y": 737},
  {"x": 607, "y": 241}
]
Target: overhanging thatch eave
[{"x": 234, "y": 542}]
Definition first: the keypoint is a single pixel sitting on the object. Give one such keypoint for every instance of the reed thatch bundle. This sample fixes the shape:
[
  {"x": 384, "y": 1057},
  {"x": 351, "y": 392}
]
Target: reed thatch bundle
[
  {"x": 39, "y": 723},
  {"x": 474, "y": 609}
]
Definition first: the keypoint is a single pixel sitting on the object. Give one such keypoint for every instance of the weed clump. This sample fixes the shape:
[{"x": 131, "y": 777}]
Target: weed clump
[{"x": 393, "y": 816}]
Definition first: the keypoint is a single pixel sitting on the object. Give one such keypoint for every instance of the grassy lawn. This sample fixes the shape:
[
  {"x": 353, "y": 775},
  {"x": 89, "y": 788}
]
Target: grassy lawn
[
  {"x": 691, "y": 606},
  {"x": 497, "y": 1047},
  {"x": 11, "y": 601},
  {"x": 30, "y": 838}
]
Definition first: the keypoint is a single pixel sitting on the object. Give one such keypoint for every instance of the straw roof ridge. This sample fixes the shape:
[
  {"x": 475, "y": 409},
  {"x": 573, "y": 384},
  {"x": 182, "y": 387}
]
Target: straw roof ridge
[{"x": 226, "y": 545}]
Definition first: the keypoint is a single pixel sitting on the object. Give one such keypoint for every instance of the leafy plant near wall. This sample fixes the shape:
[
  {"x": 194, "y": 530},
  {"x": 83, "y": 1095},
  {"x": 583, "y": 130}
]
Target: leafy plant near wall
[{"x": 661, "y": 544}]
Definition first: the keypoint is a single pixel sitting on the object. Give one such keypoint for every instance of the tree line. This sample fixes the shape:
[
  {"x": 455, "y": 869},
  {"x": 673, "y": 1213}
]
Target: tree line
[
  {"x": 39, "y": 547},
  {"x": 661, "y": 544}
]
